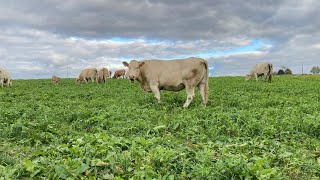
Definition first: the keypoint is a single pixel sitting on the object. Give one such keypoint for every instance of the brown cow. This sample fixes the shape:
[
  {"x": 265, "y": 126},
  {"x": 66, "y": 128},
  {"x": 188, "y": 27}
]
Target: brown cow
[
  {"x": 263, "y": 69},
  {"x": 102, "y": 75},
  {"x": 86, "y": 75},
  {"x": 5, "y": 78},
  {"x": 171, "y": 75},
  {"x": 55, "y": 80},
  {"x": 119, "y": 73}
]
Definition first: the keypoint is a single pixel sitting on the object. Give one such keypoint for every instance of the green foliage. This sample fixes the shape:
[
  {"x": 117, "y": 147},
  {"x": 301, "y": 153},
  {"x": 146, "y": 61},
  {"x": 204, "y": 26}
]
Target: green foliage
[
  {"x": 315, "y": 70},
  {"x": 284, "y": 70},
  {"x": 249, "y": 130}
]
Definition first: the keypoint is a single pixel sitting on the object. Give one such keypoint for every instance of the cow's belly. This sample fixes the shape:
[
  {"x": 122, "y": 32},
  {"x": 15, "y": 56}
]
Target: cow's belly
[{"x": 178, "y": 87}]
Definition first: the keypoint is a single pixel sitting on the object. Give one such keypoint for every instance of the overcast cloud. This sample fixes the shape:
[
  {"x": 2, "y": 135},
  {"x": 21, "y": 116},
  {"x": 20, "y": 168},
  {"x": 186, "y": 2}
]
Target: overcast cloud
[{"x": 41, "y": 38}]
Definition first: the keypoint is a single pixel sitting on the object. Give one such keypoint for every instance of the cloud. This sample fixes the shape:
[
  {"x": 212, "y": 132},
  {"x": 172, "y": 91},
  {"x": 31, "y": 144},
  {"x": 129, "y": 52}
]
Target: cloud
[{"x": 63, "y": 38}]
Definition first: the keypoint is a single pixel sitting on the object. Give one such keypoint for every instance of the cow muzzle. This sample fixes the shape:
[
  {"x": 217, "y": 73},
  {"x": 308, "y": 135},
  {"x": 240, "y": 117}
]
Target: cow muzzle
[{"x": 132, "y": 78}]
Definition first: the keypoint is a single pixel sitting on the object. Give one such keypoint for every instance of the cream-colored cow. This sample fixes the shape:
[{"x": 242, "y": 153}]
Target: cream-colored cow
[
  {"x": 5, "y": 78},
  {"x": 86, "y": 75},
  {"x": 263, "y": 69},
  {"x": 55, "y": 80},
  {"x": 171, "y": 75},
  {"x": 102, "y": 75}
]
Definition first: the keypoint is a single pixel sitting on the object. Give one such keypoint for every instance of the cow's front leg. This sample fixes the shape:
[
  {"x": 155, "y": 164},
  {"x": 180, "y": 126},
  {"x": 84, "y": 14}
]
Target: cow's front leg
[
  {"x": 190, "y": 95},
  {"x": 156, "y": 92},
  {"x": 256, "y": 75}
]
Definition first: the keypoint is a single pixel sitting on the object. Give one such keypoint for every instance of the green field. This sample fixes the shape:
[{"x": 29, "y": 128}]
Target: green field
[{"x": 249, "y": 130}]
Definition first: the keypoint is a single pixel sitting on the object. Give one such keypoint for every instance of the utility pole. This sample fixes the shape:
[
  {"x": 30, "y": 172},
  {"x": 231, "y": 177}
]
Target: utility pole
[{"x": 67, "y": 71}]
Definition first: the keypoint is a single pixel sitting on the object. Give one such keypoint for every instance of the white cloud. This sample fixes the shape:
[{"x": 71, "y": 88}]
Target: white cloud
[{"x": 78, "y": 34}]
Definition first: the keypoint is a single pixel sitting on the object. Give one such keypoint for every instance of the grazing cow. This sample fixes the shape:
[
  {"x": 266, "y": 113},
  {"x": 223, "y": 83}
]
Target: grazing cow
[
  {"x": 171, "y": 75},
  {"x": 5, "y": 78},
  {"x": 55, "y": 80},
  {"x": 259, "y": 70},
  {"x": 119, "y": 73},
  {"x": 102, "y": 75},
  {"x": 86, "y": 75}
]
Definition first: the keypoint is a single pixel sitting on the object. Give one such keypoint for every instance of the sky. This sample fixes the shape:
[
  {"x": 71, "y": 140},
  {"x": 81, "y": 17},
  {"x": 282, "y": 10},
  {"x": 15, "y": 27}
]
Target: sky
[{"x": 39, "y": 39}]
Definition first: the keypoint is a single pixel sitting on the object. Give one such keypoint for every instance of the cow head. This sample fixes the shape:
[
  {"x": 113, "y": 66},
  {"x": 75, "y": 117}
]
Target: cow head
[
  {"x": 248, "y": 77},
  {"x": 77, "y": 81},
  {"x": 134, "y": 69}
]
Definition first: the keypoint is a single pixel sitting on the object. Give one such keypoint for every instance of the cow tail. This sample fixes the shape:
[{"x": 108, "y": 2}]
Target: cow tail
[
  {"x": 206, "y": 78},
  {"x": 270, "y": 72}
]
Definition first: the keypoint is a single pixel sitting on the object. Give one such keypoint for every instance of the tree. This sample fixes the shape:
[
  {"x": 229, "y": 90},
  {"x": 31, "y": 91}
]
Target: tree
[
  {"x": 288, "y": 71},
  {"x": 284, "y": 70},
  {"x": 280, "y": 72},
  {"x": 315, "y": 70}
]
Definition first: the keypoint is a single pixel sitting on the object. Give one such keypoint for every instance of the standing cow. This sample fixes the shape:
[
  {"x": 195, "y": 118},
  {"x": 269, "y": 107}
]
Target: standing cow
[
  {"x": 171, "y": 75},
  {"x": 119, "y": 73},
  {"x": 102, "y": 75},
  {"x": 55, "y": 80},
  {"x": 5, "y": 78},
  {"x": 263, "y": 69},
  {"x": 86, "y": 75}
]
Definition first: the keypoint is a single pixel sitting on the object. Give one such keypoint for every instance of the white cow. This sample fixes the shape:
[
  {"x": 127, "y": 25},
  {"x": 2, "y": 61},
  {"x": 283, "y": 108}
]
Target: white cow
[
  {"x": 171, "y": 75},
  {"x": 5, "y": 78},
  {"x": 263, "y": 69}
]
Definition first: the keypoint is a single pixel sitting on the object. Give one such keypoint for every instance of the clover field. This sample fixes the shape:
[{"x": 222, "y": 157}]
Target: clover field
[{"x": 249, "y": 130}]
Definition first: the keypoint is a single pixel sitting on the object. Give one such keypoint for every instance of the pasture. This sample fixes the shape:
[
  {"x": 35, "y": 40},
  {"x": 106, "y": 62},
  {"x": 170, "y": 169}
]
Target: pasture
[{"x": 249, "y": 130}]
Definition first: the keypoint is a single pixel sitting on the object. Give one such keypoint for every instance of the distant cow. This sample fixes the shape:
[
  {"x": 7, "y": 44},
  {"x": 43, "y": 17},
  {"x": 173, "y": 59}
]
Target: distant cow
[
  {"x": 119, "y": 73},
  {"x": 5, "y": 78},
  {"x": 171, "y": 75},
  {"x": 263, "y": 69},
  {"x": 110, "y": 72},
  {"x": 86, "y": 75},
  {"x": 102, "y": 75},
  {"x": 55, "y": 80}
]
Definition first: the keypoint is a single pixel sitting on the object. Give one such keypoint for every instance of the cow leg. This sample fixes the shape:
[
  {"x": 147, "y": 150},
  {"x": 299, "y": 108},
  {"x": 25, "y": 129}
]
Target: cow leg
[
  {"x": 156, "y": 92},
  {"x": 1, "y": 82},
  {"x": 256, "y": 75},
  {"x": 190, "y": 95},
  {"x": 270, "y": 77},
  {"x": 202, "y": 93}
]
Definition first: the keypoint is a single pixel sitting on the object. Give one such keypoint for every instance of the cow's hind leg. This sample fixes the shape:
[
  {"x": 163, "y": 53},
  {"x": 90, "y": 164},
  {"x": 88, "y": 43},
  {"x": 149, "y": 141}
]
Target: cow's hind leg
[
  {"x": 190, "y": 95},
  {"x": 156, "y": 92},
  {"x": 202, "y": 89}
]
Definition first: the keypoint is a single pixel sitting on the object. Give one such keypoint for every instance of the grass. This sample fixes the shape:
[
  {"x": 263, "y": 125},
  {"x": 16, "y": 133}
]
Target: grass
[{"x": 249, "y": 130}]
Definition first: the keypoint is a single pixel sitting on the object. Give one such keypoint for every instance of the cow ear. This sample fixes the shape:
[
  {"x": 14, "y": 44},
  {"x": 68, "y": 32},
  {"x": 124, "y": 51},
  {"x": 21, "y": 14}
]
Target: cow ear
[
  {"x": 125, "y": 64},
  {"x": 140, "y": 64}
]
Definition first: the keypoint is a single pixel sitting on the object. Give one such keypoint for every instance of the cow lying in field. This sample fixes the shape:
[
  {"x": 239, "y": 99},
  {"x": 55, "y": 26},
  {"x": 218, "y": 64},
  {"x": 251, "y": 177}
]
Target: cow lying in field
[
  {"x": 119, "y": 73},
  {"x": 171, "y": 75},
  {"x": 264, "y": 69},
  {"x": 86, "y": 75},
  {"x": 55, "y": 80},
  {"x": 5, "y": 78},
  {"x": 102, "y": 75}
]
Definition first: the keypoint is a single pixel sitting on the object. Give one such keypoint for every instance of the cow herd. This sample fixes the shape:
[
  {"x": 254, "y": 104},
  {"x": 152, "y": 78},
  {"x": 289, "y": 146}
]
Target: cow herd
[{"x": 156, "y": 75}]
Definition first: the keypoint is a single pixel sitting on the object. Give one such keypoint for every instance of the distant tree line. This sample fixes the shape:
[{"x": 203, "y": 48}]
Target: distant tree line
[
  {"x": 283, "y": 71},
  {"x": 286, "y": 71}
]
